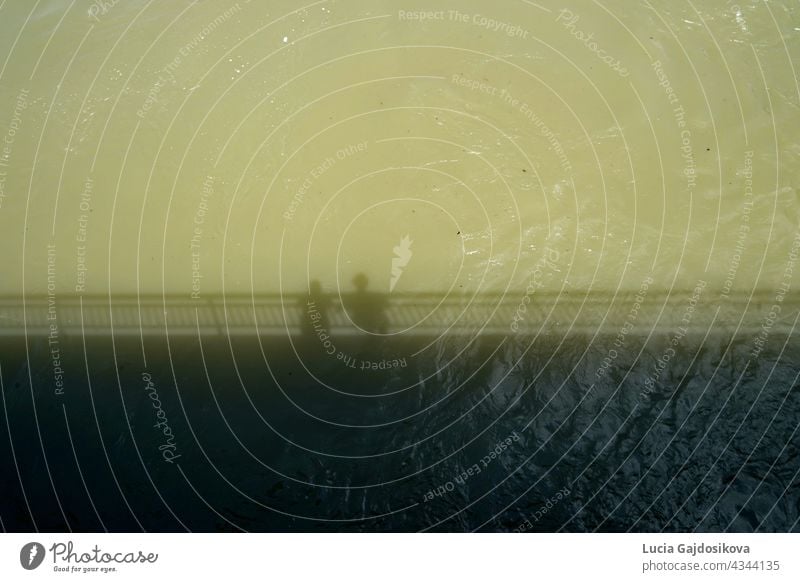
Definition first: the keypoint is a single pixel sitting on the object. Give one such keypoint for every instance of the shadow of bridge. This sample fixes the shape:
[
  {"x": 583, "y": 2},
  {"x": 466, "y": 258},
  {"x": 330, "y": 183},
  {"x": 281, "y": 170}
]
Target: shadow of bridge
[{"x": 359, "y": 313}]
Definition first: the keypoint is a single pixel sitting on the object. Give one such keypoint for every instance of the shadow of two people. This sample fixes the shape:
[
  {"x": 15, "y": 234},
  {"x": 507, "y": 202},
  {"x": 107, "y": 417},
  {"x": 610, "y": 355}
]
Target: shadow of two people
[{"x": 366, "y": 310}]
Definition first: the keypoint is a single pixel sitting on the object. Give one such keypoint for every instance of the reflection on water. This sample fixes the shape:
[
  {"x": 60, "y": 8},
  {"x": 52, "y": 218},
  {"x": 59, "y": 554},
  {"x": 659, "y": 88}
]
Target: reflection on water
[
  {"x": 357, "y": 266},
  {"x": 381, "y": 440}
]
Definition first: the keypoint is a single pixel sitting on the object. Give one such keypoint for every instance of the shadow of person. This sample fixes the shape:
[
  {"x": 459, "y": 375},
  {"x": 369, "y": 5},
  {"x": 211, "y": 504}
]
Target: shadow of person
[
  {"x": 368, "y": 309},
  {"x": 315, "y": 323}
]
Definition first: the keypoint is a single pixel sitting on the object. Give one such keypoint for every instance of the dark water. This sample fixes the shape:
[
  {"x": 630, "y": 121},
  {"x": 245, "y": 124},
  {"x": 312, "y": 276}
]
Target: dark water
[
  {"x": 495, "y": 434},
  {"x": 253, "y": 146}
]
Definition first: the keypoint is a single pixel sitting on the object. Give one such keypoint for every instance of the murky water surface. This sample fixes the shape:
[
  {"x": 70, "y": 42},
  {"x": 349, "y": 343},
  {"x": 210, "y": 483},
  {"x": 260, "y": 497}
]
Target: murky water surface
[{"x": 367, "y": 265}]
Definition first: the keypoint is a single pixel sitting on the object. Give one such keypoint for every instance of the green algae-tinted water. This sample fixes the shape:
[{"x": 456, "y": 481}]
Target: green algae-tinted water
[{"x": 362, "y": 266}]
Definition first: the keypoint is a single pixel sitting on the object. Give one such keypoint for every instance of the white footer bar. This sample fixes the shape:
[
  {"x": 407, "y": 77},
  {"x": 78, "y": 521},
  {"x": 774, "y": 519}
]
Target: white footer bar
[{"x": 406, "y": 557}]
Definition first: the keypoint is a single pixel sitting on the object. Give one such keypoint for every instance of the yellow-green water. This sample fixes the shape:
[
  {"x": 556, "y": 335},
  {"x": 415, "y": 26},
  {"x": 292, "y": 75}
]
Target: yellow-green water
[
  {"x": 509, "y": 155},
  {"x": 214, "y": 146}
]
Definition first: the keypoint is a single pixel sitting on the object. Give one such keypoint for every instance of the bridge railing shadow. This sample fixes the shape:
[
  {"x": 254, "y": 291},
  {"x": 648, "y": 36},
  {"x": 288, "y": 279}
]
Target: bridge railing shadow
[{"x": 425, "y": 313}]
